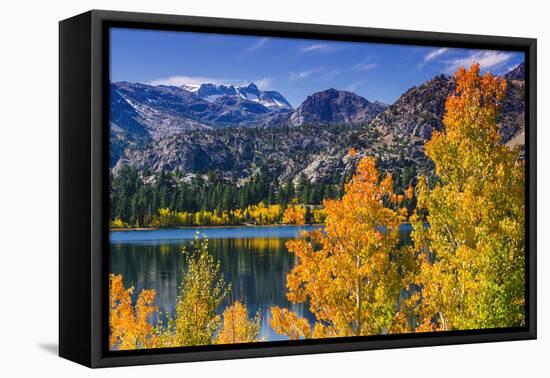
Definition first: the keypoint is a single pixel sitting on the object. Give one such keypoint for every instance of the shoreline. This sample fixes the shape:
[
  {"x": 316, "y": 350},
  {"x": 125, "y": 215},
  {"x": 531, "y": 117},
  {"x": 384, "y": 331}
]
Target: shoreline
[{"x": 220, "y": 226}]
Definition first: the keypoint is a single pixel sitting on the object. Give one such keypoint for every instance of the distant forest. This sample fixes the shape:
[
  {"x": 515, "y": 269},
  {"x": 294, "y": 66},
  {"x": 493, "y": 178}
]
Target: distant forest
[{"x": 136, "y": 201}]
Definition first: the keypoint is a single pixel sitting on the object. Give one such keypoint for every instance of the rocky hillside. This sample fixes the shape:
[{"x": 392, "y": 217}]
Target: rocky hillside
[
  {"x": 127, "y": 129},
  {"x": 141, "y": 113},
  {"x": 316, "y": 151},
  {"x": 195, "y": 131},
  {"x": 517, "y": 73},
  {"x": 334, "y": 106},
  {"x": 168, "y": 110},
  {"x": 512, "y": 116},
  {"x": 420, "y": 110}
]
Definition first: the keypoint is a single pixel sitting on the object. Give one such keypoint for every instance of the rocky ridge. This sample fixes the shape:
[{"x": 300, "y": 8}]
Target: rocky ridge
[{"x": 309, "y": 141}]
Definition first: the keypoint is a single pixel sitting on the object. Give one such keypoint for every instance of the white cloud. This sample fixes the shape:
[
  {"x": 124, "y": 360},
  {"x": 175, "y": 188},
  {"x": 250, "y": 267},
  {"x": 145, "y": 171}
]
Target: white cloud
[
  {"x": 365, "y": 66},
  {"x": 329, "y": 75},
  {"x": 189, "y": 80},
  {"x": 486, "y": 59},
  {"x": 264, "y": 84},
  {"x": 303, "y": 74},
  {"x": 316, "y": 47},
  {"x": 257, "y": 45},
  {"x": 511, "y": 67},
  {"x": 318, "y": 74},
  {"x": 434, "y": 54},
  {"x": 355, "y": 85}
]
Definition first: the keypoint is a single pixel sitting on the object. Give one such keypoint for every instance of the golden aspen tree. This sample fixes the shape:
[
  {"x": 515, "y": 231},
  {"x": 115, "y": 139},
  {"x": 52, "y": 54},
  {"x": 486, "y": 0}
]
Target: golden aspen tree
[
  {"x": 237, "y": 327},
  {"x": 202, "y": 292},
  {"x": 351, "y": 274},
  {"x": 130, "y": 326},
  {"x": 294, "y": 214},
  {"x": 471, "y": 242},
  {"x": 287, "y": 323}
]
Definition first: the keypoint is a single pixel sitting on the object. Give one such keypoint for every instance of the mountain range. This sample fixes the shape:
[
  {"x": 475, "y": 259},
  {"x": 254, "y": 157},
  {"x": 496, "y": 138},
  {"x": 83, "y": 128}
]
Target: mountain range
[
  {"x": 234, "y": 130},
  {"x": 211, "y": 92}
]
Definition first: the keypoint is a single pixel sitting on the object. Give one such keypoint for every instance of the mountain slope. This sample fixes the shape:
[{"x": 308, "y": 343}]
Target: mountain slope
[
  {"x": 333, "y": 106},
  {"x": 125, "y": 126},
  {"x": 420, "y": 110},
  {"x": 295, "y": 145},
  {"x": 288, "y": 151},
  {"x": 167, "y": 109},
  {"x": 512, "y": 117},
  {"x": 163, "y": 109},
  {"x": 517, "y": 73}
]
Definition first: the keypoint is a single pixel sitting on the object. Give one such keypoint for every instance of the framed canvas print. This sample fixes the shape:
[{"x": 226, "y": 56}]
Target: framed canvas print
[{"x": 233, "y": 188}]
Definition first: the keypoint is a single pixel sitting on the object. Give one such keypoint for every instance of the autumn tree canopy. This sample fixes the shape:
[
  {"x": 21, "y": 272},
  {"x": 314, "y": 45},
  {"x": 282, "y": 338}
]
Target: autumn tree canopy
[
  {"x": 202, "y": 292},
  {"x": 473, "y": 252},
  {"x": 237, "y": 327},
  {"x": 464, "y": 270},
  {"x": 351, "y": 273},
  {"x": 130, "y": 327}
]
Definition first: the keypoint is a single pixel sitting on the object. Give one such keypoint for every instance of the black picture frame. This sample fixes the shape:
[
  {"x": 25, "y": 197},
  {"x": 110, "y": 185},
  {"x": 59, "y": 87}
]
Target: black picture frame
[{"x": 83, "y": 195}]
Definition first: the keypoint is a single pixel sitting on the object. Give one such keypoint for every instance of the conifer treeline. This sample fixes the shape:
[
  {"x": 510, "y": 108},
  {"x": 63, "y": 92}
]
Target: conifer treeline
[{"x": 136, "y": 201}]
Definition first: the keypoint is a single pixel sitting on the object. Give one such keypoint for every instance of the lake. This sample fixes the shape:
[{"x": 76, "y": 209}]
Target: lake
[{"x": 253, "y": 259}]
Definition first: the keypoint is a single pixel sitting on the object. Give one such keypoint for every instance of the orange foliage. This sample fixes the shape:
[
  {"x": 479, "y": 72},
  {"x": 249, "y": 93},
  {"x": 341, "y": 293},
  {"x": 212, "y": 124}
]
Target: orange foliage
[
  {"x": 295, "y": 214},
  {"x": 349, "y": 273},
  {"x": 287, "y": 323},
  {"x": 236, "y": 327},
  {"x": 472, "y": 257},
  {"x": 470, "y": 126},
  {"x": 129, "y": 326}
]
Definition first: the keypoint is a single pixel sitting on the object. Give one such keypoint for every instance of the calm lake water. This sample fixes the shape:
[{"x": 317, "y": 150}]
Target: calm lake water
[{"x": 253, "y": 259}]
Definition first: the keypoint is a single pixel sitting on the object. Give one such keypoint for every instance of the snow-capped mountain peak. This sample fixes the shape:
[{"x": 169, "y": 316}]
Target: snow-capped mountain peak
[
  {"x": 191, "y": 87},
  {"x": 212, "y": 92}
]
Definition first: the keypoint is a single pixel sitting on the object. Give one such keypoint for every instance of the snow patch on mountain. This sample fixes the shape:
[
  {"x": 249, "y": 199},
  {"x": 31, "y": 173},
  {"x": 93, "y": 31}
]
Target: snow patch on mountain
[
  {"x": 191, "y": 87},
  {"x": 212, "y": 92}
]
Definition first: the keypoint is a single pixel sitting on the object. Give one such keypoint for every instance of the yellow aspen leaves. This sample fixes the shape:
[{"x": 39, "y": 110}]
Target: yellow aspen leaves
[
  {"x": 464, "y": 270},
  {"x": 130, "y": 326},
  {"x": 295, "y": 214},
  {"x": 348, "y": 274},
  {"x": 202, "y": 292},
  {"x": 287, "y": 323},
  {"x": 237, "y": 327},
  {"x": 472, "y": 253}
]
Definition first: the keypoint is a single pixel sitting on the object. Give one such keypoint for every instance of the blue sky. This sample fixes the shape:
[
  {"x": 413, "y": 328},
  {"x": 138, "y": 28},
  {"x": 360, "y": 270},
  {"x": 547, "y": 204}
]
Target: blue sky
[{"x": 294, "y": 67}]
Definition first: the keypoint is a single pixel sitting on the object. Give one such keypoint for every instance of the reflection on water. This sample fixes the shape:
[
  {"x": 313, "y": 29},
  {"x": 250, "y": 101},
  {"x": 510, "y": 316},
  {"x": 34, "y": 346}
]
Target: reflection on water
[
  {"x": 254, "y": 260},
  {"x": 175, "y": 235}
]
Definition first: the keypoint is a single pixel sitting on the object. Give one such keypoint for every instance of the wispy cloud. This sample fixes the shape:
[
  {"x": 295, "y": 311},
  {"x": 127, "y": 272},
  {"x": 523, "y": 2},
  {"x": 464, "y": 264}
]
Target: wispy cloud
[
  {"x": 304, "y": 74},
  {"x": 264, "y": 84},
  {"x": 510, "y": 68},
  {"x": 260, "y": 43},
  {"x": 317, "y": 74},
  {"x": 356, "y": 85},
  {"x": 329, "y": 75},
  {"x": 316, "y": 47},
  {"x": 486, "y": 59},
  {"x": 434, "y": 54},
  {"x": 364, "y": 66},
  {"x": 180, "y": 80}
]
